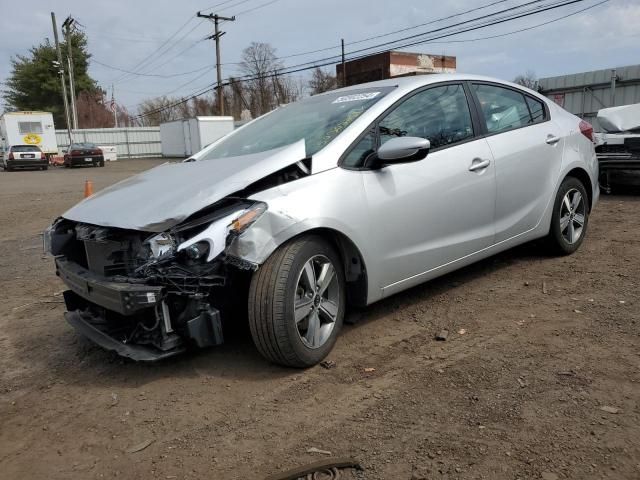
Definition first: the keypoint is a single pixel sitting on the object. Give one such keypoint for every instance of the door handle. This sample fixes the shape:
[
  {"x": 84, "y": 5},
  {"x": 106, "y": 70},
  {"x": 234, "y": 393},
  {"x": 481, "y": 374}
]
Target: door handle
[
  {"x": 552, "y": 139},
  {"x": 479, "y": 164}
]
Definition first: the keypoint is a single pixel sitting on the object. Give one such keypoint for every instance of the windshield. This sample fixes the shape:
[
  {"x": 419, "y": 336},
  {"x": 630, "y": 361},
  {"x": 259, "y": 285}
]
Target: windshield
[{"x": 317, "y": 120}]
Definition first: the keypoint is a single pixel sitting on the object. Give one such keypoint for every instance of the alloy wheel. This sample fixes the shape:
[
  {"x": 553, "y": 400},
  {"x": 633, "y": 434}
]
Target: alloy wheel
[
  {"x": 572, "y": 216},
  {"x": 316, "y": 301}
]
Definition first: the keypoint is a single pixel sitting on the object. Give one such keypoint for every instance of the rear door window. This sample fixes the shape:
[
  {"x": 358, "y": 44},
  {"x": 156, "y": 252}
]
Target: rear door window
[{"x": 502, "y": 108}]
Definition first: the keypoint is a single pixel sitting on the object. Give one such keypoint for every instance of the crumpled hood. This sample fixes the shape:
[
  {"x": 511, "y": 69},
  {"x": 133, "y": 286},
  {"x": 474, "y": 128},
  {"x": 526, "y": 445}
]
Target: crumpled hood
[{"x": 166, "y": 195}]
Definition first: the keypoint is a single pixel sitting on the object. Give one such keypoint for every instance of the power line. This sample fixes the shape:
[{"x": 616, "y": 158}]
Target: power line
[
  {"x": 447, "y": 27},
  {"x": 317, "y": 64},
  {"x": 170, "y": 59},
  {"x": 329, "y": 61},
  {"x": 520, "y": 30},
  {"x": 257, "y": 7},
  {"x": 487, "y": 18},
  {"x": 208, "y": 69},
  {"x": 160, "y": 50},
  {"x": 147, "y": 74},
  {"x": 466, "y": 12},
  {"x": 240, "y": 2}
]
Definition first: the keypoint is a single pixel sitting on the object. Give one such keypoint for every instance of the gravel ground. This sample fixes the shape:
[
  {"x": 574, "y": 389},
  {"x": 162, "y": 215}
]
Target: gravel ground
[{"x": 539, "y": 377}]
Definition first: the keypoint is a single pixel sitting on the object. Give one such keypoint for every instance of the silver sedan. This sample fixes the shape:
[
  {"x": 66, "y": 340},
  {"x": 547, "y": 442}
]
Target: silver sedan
[{"x": 337, "y": 200}]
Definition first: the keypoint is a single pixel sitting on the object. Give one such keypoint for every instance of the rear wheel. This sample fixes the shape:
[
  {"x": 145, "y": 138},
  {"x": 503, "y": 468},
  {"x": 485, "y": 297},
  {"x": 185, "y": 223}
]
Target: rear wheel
[
  {"x": 101, "y": 163},
  {"x": 297, "y": 303},
  {"x": 570, "y": 217}
]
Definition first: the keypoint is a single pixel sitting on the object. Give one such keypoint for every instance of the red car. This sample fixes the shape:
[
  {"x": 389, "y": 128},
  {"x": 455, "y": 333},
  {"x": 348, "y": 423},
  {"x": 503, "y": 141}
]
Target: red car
[{"x": 80, "y": 154}]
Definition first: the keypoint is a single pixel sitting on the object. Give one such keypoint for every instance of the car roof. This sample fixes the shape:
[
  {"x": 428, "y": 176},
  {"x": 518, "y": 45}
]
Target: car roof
[
  {"x": 412, "y": 82},
  {"x": 24, "y": 145}
]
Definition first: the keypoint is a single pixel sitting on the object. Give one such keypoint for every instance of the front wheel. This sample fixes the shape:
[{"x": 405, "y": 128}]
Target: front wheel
[
  {"x": 570, "y": 217},
  {"x": 297, "y": 302}
]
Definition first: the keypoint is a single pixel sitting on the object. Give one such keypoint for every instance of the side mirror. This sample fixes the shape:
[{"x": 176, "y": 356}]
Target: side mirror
[{"x": 403, "y": 149}]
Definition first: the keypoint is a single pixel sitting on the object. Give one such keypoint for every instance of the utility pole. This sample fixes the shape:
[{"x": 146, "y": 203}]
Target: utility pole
[
  {"x": 61, "y": 70},
  {"x": 216, "y": 36},
  {"x": 344, "y": 67},
  {"x": 614, "y": 77},
  {"x": 69, "y": 21},
  {"x": 113, "y": 106}
]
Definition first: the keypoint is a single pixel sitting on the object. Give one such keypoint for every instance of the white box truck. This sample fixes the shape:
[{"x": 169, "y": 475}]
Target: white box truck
[
  {"x": 182, "y": 138},
  {"x": 28, "y": 128}
]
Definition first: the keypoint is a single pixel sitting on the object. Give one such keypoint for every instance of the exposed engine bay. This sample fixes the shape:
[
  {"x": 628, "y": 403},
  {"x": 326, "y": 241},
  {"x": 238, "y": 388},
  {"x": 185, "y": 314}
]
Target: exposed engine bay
[{"x": 150, "y": 295}]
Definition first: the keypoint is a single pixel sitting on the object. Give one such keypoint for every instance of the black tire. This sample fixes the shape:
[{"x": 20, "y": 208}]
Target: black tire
[
  {"x": 556, "y": 241},
  {"x": 271, "y": 303},
  {"x": 101, "y": 163},
  {"x": 46, "y": 167}
]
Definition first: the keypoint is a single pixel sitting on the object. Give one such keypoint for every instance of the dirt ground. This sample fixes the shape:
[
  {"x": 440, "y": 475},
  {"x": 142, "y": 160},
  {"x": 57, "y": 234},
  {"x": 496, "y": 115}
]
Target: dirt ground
[{"x": 537, "y": 347}]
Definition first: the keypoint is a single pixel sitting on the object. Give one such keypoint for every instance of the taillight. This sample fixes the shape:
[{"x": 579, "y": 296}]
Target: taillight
[
  {"x": 41, "y": 155},
  {"x": 74, "y": 152},
  {"x": 586, "y": 129},
  {"x": 10, "y": 155}
]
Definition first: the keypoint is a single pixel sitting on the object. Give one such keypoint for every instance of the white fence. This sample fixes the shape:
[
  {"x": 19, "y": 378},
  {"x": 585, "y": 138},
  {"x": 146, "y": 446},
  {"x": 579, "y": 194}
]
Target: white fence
[{"x": 130, "y": 142}]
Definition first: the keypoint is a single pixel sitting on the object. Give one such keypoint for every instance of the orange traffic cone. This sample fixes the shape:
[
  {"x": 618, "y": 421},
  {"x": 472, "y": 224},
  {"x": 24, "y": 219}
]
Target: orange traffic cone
[{"x": 88, "y": 188}]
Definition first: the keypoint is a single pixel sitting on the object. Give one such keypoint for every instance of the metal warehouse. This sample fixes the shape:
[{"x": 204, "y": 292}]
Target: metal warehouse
[{"x": 583, "y": 94}]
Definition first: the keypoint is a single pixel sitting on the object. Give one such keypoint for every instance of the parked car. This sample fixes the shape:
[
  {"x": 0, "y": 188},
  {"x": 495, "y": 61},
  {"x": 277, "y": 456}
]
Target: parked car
[
  {"x": 618, "y": 147},
  {"x": 80, "y": 154},
  {"x": 339, "y": 199},
  {"x": 24, "y": 156}
]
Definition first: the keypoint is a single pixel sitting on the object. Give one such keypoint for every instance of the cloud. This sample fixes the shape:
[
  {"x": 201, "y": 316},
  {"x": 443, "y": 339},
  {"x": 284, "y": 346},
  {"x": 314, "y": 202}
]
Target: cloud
[{"x": 124, "y": 34}]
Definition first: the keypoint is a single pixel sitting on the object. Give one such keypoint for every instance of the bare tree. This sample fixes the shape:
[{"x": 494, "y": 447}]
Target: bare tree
[
  {"x": 158, "y": 110},
  {"x": 529, "y": 80},
  {"x": 321, "y": 81},
  {"x": 92, "y": 110},
  {"x": 237, "y": 97},
  {"x": 125, "y": 119},
  {"x": 205, "y": 105},
  {"x": 259, "y": 62}
]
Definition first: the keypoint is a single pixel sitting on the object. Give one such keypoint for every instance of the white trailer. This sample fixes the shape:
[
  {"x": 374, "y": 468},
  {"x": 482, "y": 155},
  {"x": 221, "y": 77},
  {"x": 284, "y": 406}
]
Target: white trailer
[
  {"x": 182, "y": 138},
  {"x": 29, "y": 128}
]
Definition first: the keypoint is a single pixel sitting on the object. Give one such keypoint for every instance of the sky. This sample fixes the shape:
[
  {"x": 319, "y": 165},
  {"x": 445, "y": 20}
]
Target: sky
[{"x": 166, "y": 38}]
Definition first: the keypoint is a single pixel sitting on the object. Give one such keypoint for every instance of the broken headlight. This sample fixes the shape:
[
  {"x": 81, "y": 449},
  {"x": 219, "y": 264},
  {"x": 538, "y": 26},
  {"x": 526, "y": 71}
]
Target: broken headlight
[
  {"x": 215, "y": 235},
  {"x": 248, "y": 217},
  {"x": 46, "y": 239},
  {"x": 197, "y": 251},
  {"x": 161, "y": 246}
]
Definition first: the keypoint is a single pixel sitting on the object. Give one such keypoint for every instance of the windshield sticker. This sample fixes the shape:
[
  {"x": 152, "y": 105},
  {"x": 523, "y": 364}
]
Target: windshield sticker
[{"x": 356, "y": 97}]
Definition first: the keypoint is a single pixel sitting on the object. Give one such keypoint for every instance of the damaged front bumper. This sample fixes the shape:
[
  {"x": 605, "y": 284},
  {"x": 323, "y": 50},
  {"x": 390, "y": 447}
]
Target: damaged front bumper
[
  {"x": 149, "y": 296},
  {"x": 133, "y": 319},
  {"x": 89, "y": 326},
  {"x": 123, "y": 298}
]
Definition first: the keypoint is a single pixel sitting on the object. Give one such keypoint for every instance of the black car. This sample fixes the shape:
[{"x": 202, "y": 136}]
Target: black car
[
  {"x": 80, "y": 154},
  {"x": 24, "y": 156}
]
